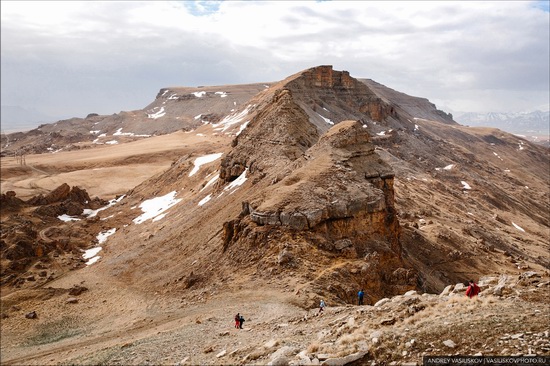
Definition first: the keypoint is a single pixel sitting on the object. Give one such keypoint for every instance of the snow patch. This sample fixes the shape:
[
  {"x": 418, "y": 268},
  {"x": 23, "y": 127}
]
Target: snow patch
[
  {"x": 204, "y": 160},
  {"x": 67, "y": 218},
  {"x": 156, "y": 206},
  {"x": 92, "y": 213},
  {"x": 199, "y": 94},
  {"x": 90, "y": 253},
  {"x": 465, "y": 185},
  {"x": 102, "y": 236},
  {"x": 158, "y": 114},
  {"x": 232, "y": 119},
  {"x": 120, "y": 133}
]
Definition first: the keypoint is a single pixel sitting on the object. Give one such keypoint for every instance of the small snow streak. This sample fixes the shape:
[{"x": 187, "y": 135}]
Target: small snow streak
[
  {"x": 210, "y": 182},
  {"x": 93, "y": 260},
  {"x": 243, "y": 126},
  {"x": 327, "y": 120},
  {"x": 465, "y": 185},
  {"x": 205, "y": 199},
  {"x": 92, "y": 213},
  {"x": 67, "y": 218},
  {"x": 518, "y": 227},
  {"x": 237, "y": 182}
]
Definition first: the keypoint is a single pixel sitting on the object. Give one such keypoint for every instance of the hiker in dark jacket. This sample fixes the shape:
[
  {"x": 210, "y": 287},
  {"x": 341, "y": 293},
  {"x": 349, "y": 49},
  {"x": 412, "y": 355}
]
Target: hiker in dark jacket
[{"x": 241, "y": 321}]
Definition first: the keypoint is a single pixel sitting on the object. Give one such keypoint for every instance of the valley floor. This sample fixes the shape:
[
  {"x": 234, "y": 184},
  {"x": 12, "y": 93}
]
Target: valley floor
[{"x": 122, "y": 326}]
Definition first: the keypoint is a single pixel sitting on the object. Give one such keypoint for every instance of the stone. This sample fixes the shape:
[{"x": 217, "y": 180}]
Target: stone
[
  {"x": 76, "y": 290},
  {"x": 389, "y": 321},
  {"x": 446, "y": 291},
  {"x": 410, "y": 293},
  {"x": 279, "y": 361},
  {"x": 31, "y": 315},
  {"x": 285, "y": 257},
  {"x": 221, "y": 354},
  {"x": 271, "y": 343},
  {"x": 72, "y": 300},
  {"x": 459, "y": 287},
  {"x": 340, "y": 361},
  {"x": 382, "y": 302},
  {"x": 375, "y": 334},
  {"x": 280, "y": 357},
  {"x": 449, "y": 343}
]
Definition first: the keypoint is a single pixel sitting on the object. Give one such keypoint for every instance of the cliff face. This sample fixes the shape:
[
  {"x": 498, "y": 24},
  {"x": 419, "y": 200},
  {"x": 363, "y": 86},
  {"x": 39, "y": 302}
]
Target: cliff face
[{"x": 336, "y": 96}]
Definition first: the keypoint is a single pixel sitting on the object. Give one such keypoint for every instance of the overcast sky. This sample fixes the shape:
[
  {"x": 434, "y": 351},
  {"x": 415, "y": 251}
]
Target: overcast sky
[{"x": 72, "y": 58}]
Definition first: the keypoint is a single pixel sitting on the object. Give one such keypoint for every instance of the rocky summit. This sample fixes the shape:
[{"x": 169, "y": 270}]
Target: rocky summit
[{"x": 264, "y": 199}]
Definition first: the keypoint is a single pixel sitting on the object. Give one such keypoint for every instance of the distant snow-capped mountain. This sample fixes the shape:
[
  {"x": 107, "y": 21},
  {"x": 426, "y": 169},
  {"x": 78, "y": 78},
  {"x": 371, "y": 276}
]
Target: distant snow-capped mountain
[{"x": 524, "y": 123}]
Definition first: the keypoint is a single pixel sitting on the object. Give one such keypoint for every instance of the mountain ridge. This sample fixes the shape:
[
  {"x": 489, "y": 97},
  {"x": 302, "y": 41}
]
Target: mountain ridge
[{"x": 313, "y": 187}]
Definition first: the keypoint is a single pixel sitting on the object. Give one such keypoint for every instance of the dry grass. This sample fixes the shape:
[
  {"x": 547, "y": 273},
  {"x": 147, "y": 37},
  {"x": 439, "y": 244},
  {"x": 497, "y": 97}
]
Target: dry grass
[{"x": 314, "y": 347}]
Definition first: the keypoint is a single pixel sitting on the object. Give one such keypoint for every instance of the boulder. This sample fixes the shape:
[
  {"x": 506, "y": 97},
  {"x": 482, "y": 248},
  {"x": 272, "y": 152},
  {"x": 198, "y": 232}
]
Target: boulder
[
  {"x": 382, "y": 302},
  {"x": 340, "y": 361}
]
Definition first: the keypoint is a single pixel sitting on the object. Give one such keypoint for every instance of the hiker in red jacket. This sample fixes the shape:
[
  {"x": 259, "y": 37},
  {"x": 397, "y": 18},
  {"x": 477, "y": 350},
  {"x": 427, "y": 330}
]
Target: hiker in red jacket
[
  {"x": 472, "y": 290},
  {"x": 238, "y": 321}
]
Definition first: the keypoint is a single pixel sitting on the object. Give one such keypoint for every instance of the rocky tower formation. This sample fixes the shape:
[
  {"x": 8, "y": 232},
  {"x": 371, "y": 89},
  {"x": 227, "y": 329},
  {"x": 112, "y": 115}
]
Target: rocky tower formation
[{"x": 331, "y": 194}]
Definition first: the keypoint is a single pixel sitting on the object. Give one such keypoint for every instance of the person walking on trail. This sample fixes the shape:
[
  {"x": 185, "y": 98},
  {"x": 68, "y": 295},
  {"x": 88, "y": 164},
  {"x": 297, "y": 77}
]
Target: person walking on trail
[
  {"x": 360, "y": 296},
  {"x": 322, "y": 306},
  {"x": 472, "y": 290},
  {"x": 238, "y": 321},
  {"x": 241, "y": 321}
]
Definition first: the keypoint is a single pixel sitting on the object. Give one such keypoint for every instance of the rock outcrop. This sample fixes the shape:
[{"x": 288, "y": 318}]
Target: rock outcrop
[{"x": 332, "y": 193}]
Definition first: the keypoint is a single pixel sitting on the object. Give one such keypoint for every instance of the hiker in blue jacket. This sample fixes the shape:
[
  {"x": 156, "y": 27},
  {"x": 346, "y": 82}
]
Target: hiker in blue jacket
[{"x": 360, "y": 296}]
